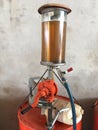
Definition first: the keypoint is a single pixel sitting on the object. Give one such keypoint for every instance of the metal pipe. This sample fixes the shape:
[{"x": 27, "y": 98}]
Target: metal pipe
[
  {"x": 60, "y": 111},
  {"x": 49, "y": 113}
]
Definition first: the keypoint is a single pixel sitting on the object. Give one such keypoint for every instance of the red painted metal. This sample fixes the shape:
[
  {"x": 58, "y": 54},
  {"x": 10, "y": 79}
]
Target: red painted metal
[
  {"x": 70, "y": 69},
  {"x": 46, "y": 89},
  {"x": 96, "y": 116},
  {"x": 33, "y": 120}
]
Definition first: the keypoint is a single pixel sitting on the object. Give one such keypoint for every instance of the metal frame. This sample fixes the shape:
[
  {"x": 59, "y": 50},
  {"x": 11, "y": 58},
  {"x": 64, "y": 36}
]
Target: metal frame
[
  {"x": 59, "y": 75},
  {"x": 44, "y": 104}
]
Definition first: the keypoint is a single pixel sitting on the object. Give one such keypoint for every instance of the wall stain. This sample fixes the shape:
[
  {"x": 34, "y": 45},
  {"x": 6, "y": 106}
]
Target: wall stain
[
  {"x": 14, "y": 14},
  {"x": 69, "y": 29},
  {"x": 15, "y": 20},
  {"x": 10, "y": 1},
  {"x": 1, "y": 3},
  {"x": 7, "y": 90},
  {"x": 93, "y": 57}
]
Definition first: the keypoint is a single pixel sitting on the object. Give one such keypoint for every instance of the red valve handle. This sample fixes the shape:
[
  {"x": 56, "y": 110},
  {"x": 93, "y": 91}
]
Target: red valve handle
[{"x": 69, "y": 69}]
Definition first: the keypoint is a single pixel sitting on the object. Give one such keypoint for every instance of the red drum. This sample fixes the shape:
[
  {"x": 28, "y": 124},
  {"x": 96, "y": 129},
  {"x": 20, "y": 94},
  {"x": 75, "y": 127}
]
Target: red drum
[
  {"x": 96, "y": 116},
  {"x": 33, "y": 120}
]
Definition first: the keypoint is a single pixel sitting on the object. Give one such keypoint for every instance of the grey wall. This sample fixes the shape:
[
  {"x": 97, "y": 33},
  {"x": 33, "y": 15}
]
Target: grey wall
[{"x": 20, "y": 47}]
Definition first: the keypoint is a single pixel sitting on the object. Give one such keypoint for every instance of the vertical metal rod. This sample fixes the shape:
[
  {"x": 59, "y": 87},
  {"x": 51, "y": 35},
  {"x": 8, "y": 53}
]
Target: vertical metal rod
[
  {"x": 49, "y": 121},
  {"x": 50, "y": 72}
]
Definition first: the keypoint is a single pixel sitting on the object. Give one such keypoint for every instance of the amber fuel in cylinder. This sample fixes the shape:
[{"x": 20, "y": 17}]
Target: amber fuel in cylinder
[{"x": 53, "y": 35}]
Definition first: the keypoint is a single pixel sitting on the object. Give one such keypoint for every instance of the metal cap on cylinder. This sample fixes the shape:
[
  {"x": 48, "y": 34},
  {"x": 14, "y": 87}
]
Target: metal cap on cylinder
[{"x": 54, "y": 17}]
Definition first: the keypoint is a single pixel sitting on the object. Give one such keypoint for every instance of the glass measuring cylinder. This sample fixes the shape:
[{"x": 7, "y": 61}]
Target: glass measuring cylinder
[{"x": 54, "y": 19}]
